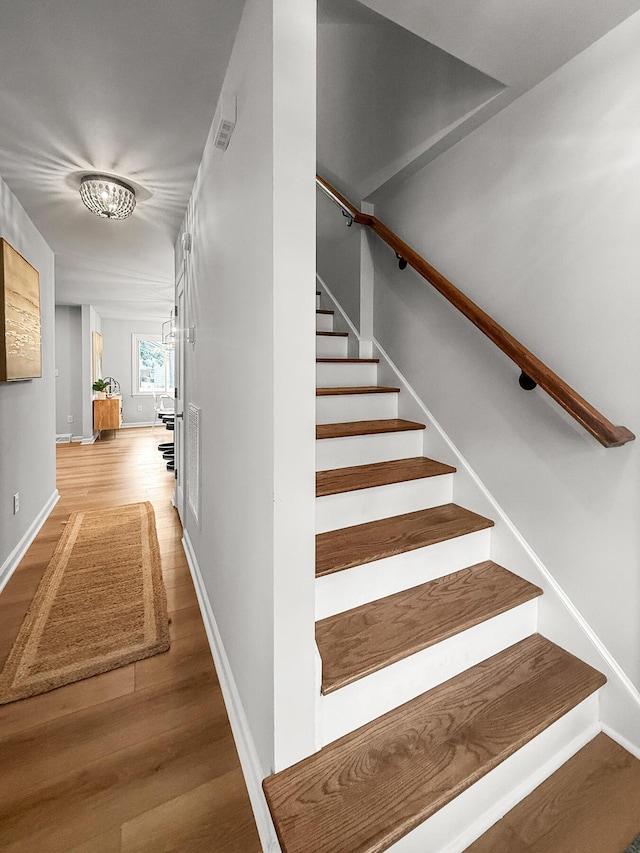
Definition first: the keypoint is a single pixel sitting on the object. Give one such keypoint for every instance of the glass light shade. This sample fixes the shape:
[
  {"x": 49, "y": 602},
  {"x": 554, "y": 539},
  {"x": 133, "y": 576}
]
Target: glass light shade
[{"x": 107, "y": 197}]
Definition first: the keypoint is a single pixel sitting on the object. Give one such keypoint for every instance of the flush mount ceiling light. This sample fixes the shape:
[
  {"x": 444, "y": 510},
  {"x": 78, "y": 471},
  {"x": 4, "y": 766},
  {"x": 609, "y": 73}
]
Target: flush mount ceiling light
[{"x": 107, "y": 197}]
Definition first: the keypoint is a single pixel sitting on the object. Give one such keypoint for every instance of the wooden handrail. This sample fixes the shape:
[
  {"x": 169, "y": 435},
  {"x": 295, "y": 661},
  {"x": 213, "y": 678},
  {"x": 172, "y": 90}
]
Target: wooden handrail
[{"x": 590, "y": 418}]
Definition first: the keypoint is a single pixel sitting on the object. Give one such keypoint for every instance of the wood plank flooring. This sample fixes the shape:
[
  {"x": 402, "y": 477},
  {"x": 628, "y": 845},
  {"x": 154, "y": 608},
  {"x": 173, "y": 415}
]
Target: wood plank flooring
[
  {"x": 140, "y": 759},
  {"x": 365, "y": 428},
  {"x": 591, "y": 804},
  {"x": 363, "y": 543},
  {"x": 351, "y": 479},
  {"x": 358, "y": 642},
  {"x": 356, "y": 389},
  {"x": 380, "y": 784}
]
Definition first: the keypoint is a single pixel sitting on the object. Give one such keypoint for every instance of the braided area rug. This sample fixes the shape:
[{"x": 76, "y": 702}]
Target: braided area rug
[{"x": 101, "y": 604}]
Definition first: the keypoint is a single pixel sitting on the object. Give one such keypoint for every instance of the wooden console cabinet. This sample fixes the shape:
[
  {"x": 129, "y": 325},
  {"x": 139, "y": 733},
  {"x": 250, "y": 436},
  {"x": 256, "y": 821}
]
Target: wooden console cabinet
[{"x": 107, "y": 414}]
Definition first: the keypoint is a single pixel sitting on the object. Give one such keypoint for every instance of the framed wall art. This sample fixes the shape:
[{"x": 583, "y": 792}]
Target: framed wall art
[
  {"x": 96, "y": 356},
  {"x": 20, "y": 325}
]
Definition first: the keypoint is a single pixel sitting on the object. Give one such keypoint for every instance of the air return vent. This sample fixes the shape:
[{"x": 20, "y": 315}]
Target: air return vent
[
  {"x": 193, "y": 460},
  {"x": 224, "y": 121}
]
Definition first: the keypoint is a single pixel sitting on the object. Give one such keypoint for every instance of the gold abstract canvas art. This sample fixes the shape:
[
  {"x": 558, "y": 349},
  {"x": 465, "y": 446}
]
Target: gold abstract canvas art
[
  {"x": 96, "y": 356},
  {"x": 20, "y": 345}
]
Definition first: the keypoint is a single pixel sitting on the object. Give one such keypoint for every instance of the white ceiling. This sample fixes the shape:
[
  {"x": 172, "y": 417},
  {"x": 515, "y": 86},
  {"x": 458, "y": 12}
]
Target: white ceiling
[{"x": 128, "y": 87}]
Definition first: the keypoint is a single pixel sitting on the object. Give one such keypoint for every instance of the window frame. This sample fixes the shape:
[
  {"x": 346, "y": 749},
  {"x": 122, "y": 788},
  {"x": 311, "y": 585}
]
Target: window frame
[{"x": 136, "y": 339}]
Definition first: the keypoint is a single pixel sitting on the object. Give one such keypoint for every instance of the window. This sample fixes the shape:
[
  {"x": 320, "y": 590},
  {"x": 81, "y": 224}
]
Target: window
[{"x": 152, "y": 365}]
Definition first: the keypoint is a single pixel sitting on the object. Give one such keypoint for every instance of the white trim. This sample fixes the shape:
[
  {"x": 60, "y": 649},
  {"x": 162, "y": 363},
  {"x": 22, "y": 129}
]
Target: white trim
[
  {"x": 136, "y": 338},
  {"x": 90, "y": 439},
  {"x": 239, "y": 724},
  {"x": 11, "y": 563},
  {"x": 624, "y": 742},
  {"x": 323, "y": 284},
  {"x": 595, "y": 641},
  {"x": 141, "y": 424}
]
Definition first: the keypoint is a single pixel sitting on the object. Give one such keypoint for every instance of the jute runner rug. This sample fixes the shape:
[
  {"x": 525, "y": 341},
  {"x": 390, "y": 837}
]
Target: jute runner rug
[{"x": 101, "y": 604}]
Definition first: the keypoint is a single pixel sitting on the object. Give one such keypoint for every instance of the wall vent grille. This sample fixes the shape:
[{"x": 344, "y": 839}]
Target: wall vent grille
[{"x": 224, "y": 121}]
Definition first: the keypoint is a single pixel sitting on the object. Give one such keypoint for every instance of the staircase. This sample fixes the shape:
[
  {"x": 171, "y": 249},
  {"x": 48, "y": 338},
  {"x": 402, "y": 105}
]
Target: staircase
[{"x": 441, "y": 708}]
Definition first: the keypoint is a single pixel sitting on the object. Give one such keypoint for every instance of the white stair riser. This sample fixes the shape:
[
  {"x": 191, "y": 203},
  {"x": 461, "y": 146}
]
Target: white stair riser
[
  {"x": 365, "y": 449},
  {"x": 330, "y": 375},
  {"x": 324, "y": 322},
  {"x": 473, "y": 811},
  {"x": 361, "y": 702},
  {"x": 318, "y": 305},
  {"x": 355, "y": 407},
  {"x": 348, "y": 508},
  {"x": 331, "y": 346},
  {"x": 343, "y": 590}
]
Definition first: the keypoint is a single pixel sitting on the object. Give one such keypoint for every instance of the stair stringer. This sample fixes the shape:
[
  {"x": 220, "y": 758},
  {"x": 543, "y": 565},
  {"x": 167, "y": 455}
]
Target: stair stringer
[{"x": 558, "y": 617}]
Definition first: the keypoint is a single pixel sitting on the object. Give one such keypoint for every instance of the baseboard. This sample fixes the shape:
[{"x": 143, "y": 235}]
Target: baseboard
[
  {"x": 134, "y": 426},
  {"x": 90, "y": 439},
  {"x": 624, "y": 742},
  {"x": 11, "y": 563},
  {"x": 237, "y": 718},
  {"x": 323, "y": 284}
]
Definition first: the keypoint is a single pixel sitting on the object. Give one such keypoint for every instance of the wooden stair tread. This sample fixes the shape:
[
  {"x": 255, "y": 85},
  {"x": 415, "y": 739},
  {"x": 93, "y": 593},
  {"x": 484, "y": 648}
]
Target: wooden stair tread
[
  {"x": 374, "y": 540},
  {"x": 324, "y": 311},
  {"x": 356, "y": 389},
  {"x": 365, "y": 791},
  {"x": 374, "y": 427},
  {"x": 333, "y": 334},
  {"x": 591, "y": 804},
  {"x": 347, "y": 360},
  {"x": 365, "y": 639},
  {"x": 351, "y": 479}
]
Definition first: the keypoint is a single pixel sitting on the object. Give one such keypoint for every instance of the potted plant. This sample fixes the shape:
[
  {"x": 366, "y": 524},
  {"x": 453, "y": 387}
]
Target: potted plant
[{"x": 100, "y": 388}]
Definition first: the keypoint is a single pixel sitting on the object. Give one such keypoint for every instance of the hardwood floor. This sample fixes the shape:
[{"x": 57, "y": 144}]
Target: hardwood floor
[
  {"x": 589, "y": 805},
  {"x": 140, "y": 759},
  {"x": 363, "y": 792},
  {"x": 363, "y": 543}
]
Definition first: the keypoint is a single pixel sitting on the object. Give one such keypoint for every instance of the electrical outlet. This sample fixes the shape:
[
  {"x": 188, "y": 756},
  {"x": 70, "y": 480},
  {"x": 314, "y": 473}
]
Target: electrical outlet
[
  {"x": 16, "y": 503},
  {"x": 139, "y": 408},
  {"x": 69, "y": 419}
]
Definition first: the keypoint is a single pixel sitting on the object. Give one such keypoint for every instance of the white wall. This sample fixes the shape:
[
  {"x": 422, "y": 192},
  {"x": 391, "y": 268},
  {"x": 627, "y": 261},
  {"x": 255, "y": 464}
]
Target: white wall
[
  {"x": 91, "y": 322},
  {"x": 384, "y": 96},
  {"x": 27, "y": 409},
  {"x": 250, "y": 291},
  {"x": 116, "y": 361},
  {"x": 536, "y": 217},
  {"x": 338, "y": 256},
  {"x": 68, "y": 321}
]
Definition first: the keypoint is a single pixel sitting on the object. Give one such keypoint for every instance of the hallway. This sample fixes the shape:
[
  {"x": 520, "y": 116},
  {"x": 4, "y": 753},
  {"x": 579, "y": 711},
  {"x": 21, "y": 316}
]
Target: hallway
[{"x": 140, "y": 758}]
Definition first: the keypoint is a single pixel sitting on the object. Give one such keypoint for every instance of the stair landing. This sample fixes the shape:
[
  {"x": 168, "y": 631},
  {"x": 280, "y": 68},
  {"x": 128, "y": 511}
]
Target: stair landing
[{"x": 590, "y": 805}]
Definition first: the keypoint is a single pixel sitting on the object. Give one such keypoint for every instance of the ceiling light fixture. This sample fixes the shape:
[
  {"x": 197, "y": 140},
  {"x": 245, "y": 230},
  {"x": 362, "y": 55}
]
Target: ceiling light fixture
[{"x": 107, "y": 197}]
